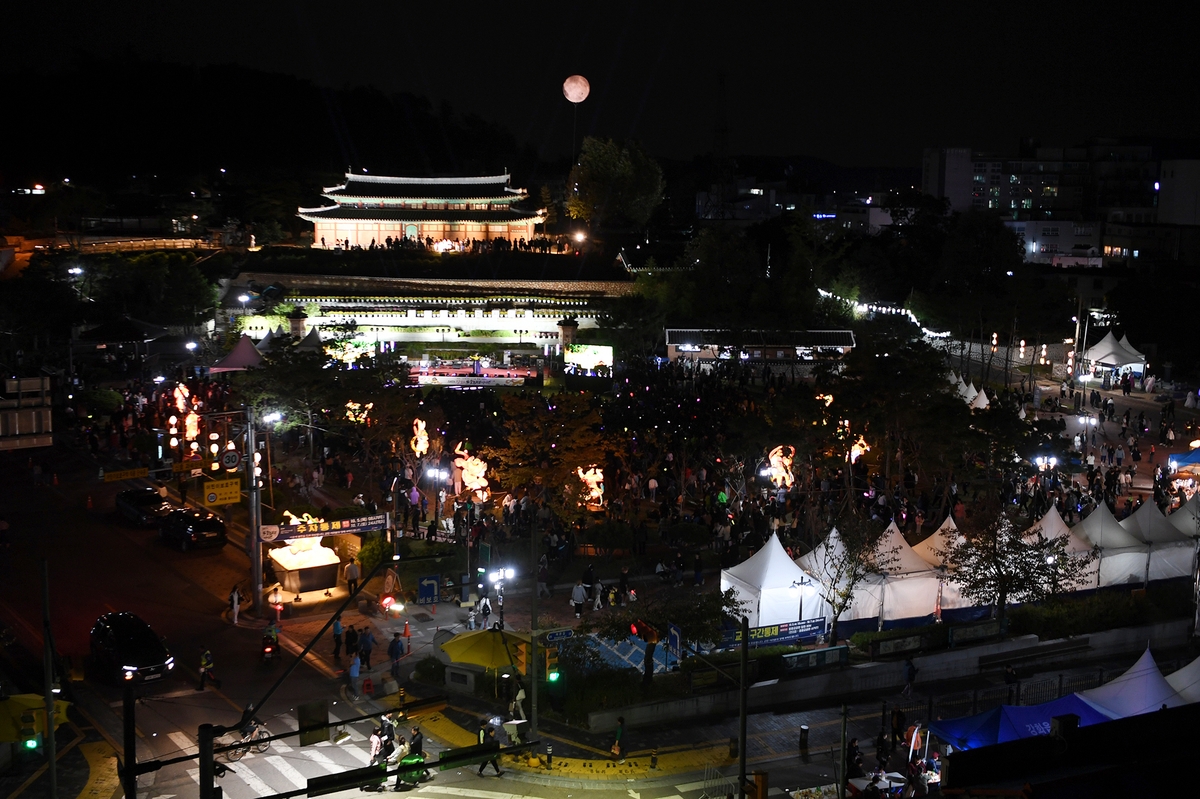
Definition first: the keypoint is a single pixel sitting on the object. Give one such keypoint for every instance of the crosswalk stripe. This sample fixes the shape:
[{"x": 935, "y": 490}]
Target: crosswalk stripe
[
  {"x": 358, "y": 754},
  {"x": 183, "y": 742},
  {"x": 288, "y": 771},
  {"x": 194, "y": 773},
  {"x": 322, "y": 760},
  {"x": 247, "y": 775},
  {"x": 470, "y": 793},
  {"x": 689, "y": 786}
]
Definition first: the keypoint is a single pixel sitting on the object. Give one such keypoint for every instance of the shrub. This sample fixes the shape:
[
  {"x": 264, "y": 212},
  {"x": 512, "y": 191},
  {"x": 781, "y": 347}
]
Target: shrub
[
  {"x": 102, "y": 400},
  {"x": 1104, "y": 610},
  {"x": 374, "y": 550},
  {"x": 937, "y": 634}
]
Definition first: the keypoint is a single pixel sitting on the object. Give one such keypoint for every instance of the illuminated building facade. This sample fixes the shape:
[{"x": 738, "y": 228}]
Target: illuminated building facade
[{"x": 427, "y": 212}]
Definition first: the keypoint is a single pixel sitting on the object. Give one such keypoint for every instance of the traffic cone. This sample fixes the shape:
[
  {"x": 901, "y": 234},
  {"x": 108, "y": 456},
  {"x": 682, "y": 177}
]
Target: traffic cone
[
  {"x": 89, "y": 502},
  {"x": 407, "y": 634},
  {"x": 433, "y": 607},
  {"x": 56, "y": 478}
]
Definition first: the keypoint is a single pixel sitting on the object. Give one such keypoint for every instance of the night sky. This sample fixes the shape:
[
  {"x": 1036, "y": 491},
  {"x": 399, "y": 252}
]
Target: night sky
[{"x": 863, "y": 84}]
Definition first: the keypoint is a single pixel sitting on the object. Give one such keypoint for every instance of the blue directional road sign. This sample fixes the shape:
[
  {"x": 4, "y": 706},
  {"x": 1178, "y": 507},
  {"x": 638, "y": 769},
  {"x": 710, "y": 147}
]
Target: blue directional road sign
[
  {"x": 554, "y": 636},
  {"x": 427, "y": 590},
  {"x": 674, "y": 640}
]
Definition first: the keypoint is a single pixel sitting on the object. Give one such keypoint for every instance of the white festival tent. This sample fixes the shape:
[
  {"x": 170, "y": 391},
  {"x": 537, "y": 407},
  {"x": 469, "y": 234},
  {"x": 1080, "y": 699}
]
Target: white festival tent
[
  {"x": 910, "y": 587},
  {"x": 1052, "y": 526},
  {"x": 1184, "y": 519},
  {"x": 971, "y": 393},
  {"x": 243, "y": 356},
  {"x": 772, "y": 588},
  {"x": 1186, "y": 682},
  {"x": 963, "y": 391},
  {"x": 1141, "y": 689},
  {"x": 1170, "y": 551},
  {"x": 980, "y": 402},
  {"x": 1110, "y": 352},
  {"x": 928, "y": 549},
  {"x": 820, "y": 565},
  {"x": 1132, "y": 349},
  {"x": 1122, "y": 556}
]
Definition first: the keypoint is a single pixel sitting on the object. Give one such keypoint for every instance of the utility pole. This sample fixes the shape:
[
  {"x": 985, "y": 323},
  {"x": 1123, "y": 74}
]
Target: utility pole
[
  {"x": 48, "y": 683},
  {"x": 254, "y": 534},
  {"x": 743, "y": 691},
  {"x": 533, "y": 637},
  {"x": 841, "y": 787},
  {"x": 129, "y": 773}
]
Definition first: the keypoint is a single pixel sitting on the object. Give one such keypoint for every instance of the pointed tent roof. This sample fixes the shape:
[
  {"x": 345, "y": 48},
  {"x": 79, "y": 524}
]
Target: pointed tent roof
[
  {"x": 1110, "y": 351},
  {"x": 1186, "y": 681},
  {"x": 1021, "y": 415},
  {"x": 769, "y": 567},
  {"x": 942, "y": 537},
  {"x": 972, "y": 392},
  {"x": 1053, "y": 526},
  {"x": 1141, "y": 689},
  {"x": 830, "y": 549},
  {"x": 1125, "y": 343},
  {"x": 906, "y": 560},
  {"x": 1184, "y": 519},
  {"x": 963, "y": 391},
  {"x": 243, "y": 356},
  {"x": 980, "y": 402},
  {"x": 1149, "y": 525},
  {"x": 1102, "y": 529},
  {"x": 264, "y": 343},
  {"x": 1010, "y": 722},
  {"x": 311, "y": 342}
]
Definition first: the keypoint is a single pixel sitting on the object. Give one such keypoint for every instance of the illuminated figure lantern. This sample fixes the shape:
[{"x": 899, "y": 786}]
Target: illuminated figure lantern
[
  {"x": 473, "y": 471},
  {"x": 420, "y": 439},
  {"x": 780, "y": 460},
  {"x": 593, "y": 481}
]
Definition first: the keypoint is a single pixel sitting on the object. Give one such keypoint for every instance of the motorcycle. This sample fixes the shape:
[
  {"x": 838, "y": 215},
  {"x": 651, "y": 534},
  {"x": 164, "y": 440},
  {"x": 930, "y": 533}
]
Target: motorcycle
[{"x": 270, "y": 647}]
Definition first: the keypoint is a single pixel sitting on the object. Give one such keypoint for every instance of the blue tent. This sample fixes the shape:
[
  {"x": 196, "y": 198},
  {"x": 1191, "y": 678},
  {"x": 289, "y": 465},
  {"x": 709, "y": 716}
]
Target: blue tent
[{"x": 1010, "y": 722}]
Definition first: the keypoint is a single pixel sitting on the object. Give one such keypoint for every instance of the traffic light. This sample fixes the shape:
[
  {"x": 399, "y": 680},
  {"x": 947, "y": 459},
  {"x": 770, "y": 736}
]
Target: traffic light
[
  {"x": 551, "y": 663},
  {"x": 30, "y": 728},
  {"x": 522, "y": 657}
]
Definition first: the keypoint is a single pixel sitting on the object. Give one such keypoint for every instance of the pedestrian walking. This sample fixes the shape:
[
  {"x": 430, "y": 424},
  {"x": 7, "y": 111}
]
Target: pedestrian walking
[
  {"x": 471, "y": 619},
  {"x": 898, "y": 721},
  {"x": 485, "y": 610},
  {"x": 376, "y": 742},
  {"x": 351, "y": 641},
  {"x": 352, "y": 674},
  {"x": 206, "y": 668},
  {"x": 275, "y": 600},
  {"x": 353, "y": 574},
  {"x": 395, "y": 652},
  {"x": 487, "y": 734},
  {"x": 910, "y": 676},
  {"x": 235, "y": 603},
  {"x": 618, "y": 745},
  {"x": 578, "y": 597},
  {"x": 543, "y": 577},
  {"x": 366, "y": 644},
  {"x": 337, "y": 637}
]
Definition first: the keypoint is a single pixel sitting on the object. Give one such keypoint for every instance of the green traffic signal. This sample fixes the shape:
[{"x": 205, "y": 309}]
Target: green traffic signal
[
  {"x": 552, "y": 676},
  {"x": 31, "y": 743}
]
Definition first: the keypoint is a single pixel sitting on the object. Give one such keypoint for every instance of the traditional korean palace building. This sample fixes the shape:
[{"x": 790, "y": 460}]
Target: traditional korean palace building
[{"x": 368, "y": 208}]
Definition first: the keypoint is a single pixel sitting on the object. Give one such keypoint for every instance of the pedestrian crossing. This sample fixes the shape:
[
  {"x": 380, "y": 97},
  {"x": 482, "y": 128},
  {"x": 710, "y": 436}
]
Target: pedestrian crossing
[{"x": 284, "y": 767}]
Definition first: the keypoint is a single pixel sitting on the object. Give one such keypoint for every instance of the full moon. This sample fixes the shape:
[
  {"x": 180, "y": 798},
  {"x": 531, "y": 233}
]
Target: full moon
[{"x": 576, "y": 88}]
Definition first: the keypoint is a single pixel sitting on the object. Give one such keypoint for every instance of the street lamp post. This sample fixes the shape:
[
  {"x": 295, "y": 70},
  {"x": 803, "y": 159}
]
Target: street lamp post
[
  {"x": 497, "y": 579},
  {"x": 243, "y": 299}
]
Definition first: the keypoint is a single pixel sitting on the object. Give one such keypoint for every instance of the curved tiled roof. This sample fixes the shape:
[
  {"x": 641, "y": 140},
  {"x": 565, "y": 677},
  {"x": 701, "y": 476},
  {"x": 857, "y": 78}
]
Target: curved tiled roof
[
  {"x": 351, "y": 213},
  {"x": 472, "y": 188}
]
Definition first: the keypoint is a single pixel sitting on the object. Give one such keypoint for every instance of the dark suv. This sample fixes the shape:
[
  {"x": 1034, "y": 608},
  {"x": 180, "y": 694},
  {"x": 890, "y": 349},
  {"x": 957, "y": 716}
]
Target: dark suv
[
  {"x": 144, "y": 506},
  {"x": 188, "y": 527},
  {"x": 124, "y": 646}
]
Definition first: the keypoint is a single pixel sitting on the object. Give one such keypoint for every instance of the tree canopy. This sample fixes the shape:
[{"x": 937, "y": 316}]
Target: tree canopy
[{"x": 614, "y": 185}]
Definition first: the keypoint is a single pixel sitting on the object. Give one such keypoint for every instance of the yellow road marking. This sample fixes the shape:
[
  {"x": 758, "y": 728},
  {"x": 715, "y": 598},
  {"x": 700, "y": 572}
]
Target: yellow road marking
[{"x": 102, "y": 781}]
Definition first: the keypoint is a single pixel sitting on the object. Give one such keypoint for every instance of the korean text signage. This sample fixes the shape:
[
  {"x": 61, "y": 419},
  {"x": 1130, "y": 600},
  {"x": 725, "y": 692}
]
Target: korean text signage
[
  {"x": 363, "y": 524},
  {"x": 222, "y": 492},
  {"x": 805, "y": 629}
]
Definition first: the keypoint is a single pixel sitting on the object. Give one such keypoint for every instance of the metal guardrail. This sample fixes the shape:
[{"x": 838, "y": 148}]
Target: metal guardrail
[{"x": 717, "y": 785}]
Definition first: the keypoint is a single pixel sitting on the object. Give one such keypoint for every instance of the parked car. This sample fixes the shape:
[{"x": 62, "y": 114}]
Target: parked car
[
  {"x": 124, "y": 647},
  {"x": 144, "y": 506},
  {"x": 187, "y": 528}
]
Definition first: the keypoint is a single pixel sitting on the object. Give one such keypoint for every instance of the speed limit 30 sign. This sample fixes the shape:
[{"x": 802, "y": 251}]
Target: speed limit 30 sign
[{"x": 231, "y": 459}]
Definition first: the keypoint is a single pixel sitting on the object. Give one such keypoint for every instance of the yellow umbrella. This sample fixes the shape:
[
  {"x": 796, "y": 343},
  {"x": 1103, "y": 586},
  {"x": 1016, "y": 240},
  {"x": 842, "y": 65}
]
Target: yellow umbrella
[{"x": 492, "y": 649}]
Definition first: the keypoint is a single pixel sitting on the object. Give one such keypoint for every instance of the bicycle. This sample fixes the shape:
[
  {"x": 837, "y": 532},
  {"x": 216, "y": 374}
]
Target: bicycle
[{"x": 253, "y": 736}]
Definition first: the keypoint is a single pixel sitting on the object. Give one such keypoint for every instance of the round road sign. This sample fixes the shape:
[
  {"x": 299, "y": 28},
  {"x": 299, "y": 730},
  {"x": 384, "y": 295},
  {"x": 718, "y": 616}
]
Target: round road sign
[{"x": 231, "y": 458}]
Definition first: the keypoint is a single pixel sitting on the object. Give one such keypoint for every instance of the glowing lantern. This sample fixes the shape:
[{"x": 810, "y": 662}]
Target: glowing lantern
[
  {"x": 191, "y": 426},
  {"x": 858, "y": 448},
  {"x": 780, "y": 471},
  {"x": 181, "y": 397},
  {"x": 473, "y": 471},
  {"x": 420, "y": 440},
  {"x": 357, "y": 412},
  {"x": 593, "y": 481}
]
